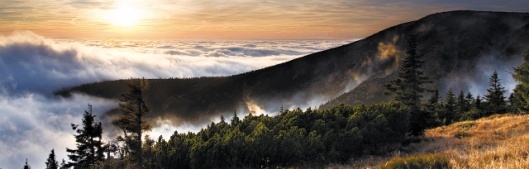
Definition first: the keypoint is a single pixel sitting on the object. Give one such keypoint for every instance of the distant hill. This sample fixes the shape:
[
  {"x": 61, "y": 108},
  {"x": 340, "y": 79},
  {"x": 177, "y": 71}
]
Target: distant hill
[{"x": 460, "y": 49}]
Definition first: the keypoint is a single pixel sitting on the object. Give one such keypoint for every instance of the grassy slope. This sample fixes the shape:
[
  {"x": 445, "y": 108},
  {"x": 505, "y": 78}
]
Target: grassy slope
[{"x": 499, "y": 141}]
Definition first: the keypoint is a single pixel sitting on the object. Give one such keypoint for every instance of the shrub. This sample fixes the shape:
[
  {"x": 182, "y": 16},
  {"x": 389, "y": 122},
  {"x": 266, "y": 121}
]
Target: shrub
[{"x": 433, "y": 161}]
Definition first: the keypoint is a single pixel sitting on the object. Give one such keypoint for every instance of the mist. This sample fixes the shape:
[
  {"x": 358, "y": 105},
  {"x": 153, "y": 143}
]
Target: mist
[{"x": 34, "y": 121}]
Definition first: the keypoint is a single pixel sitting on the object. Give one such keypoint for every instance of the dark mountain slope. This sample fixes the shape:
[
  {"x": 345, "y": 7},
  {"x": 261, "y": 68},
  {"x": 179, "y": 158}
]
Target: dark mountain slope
[{"x": 460, "y": 49}]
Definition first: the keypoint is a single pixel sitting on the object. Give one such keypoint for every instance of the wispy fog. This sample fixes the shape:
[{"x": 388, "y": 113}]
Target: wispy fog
[{"x": 32, "y": 67}]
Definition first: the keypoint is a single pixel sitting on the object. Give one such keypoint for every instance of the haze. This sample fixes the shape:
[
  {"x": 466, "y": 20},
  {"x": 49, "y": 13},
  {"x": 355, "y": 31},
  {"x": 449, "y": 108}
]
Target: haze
[{"x": 229, "y": 19}]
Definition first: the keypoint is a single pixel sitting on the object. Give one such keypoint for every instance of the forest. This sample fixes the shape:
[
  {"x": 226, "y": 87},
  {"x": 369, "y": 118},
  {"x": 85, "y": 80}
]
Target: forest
[{"x": 293, "y": 138}]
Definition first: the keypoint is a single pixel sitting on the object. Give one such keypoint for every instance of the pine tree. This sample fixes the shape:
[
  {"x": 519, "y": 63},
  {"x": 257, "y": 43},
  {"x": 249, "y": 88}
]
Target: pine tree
[
  {"x": 409, "y": 87},
  {"x": 52, "y": 163},
  {"x": 475, "y": 108},
  {"x": 26, "y": 166},
  {"x": 132, "y": 110},
  {"x": 434, "y": 108},
  {"x": 521, "y": 74},
  {"x": 434, "y": 99},
  {"x": 476, "y": 103},
  {"x": 235, "y": 120},
  {"x": 468, "y": 100},
  {"x": 449, "y": 108},
  {"x": 63, "y": 165},
  {"x": 89, "y": 146},
  {"x": 461, "y": 106},
  {"x": 495, "y": 99}
]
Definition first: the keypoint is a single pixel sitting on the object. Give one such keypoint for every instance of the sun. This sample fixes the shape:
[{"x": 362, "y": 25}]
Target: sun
[{"x": 124, "y": 16}]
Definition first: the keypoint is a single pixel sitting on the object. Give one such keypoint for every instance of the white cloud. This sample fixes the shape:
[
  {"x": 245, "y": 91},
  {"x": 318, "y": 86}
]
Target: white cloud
[{"x": 33, "y": 121}]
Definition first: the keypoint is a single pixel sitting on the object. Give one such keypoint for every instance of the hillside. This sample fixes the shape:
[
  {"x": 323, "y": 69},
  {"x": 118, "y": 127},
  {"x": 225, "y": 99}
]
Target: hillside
[
  {"x": 499, "y": 141},
  {"x": 460, "y": 49}
]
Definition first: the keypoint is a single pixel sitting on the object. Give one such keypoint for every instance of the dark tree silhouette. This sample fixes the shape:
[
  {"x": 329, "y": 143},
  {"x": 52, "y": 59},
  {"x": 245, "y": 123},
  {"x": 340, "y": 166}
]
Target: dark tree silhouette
[
  {"x": 26, "y": 166},
  {"x": 52, "y": 163},
  {"x": 495, "y": 99},
  {"x": 521, "y": 74},
  {"x": 89, "y": 146},
  {"x": 461, "y": 106},
  {"x": 449, "y": 108},
  {"x": 409, "y": 87},
  {"x": 132, "y": 108}
]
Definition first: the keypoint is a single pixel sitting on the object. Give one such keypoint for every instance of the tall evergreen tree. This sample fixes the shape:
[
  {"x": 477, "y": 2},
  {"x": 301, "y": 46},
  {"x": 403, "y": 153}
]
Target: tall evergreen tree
[
  {"x": 26, "y": 166},
  {"x": 132, "y": 109},
  {"x": 468, "y": 100},
  {"x": 409, "y": 87},
  {"x": 495, "y": 99},
  {"x": 521, "y": 74},
  {"x": 89, "y": 146},
  {"x": 63, "y": 165},
  {"x": 461, "y": 106},
  {"x": 476, "y": 103},
  {"x": 434, "y": 108},
  {"x": 449, "y": 108},
  {"x": 52, "y": 163}
]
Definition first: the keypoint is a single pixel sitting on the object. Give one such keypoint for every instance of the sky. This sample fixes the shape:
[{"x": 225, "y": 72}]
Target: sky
[
  {"x": 46, "y": 45},
  {"x": 225, "y": 19}
]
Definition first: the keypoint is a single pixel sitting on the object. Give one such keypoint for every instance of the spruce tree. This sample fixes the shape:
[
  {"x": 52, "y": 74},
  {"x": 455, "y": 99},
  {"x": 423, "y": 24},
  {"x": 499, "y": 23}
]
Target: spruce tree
[
  {"x": 449, "y": 108},
  {"x": 461, "y": 106},
  {"x": 434, "y": 108},
  {"x": 89, "y": 146},
  {"x": 26, "y": 166},
  {"x": 132, "y": 109},
  {"x": 409, "y": 87},
  {"x": 52, "y": 163},
  {"x": 495, "y": 99},
  {"x": 468, "y": 100},
  {"x": 521, "y": 74}
]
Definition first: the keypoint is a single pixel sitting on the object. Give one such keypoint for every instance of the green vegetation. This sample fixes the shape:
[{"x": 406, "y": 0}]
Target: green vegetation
[
  {"x": 292, "y": 138},
  {"x": 52, "y": 163},
  {"x": 521, "y": 92},
  {"x": 89, "y": 147},
  {"x": 432, "y": 161},
  {"x": 132, "y": 109},
  {"x": 409, "y": 87}
]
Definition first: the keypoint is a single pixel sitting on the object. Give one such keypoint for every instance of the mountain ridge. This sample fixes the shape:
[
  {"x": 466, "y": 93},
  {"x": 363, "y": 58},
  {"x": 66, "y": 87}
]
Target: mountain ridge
[{"x": 353, "y": 73}]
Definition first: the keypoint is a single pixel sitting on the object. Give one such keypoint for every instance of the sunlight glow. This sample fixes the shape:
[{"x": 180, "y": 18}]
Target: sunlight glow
[{"x": 124, "y": 16}]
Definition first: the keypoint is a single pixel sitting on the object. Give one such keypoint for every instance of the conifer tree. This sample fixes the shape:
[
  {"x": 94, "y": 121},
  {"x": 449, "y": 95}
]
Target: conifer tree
[
  {"x": 468, "y": 100},
  {"x": 461, "y": 106},
  {"x": 52, "y": 163},
  {"x": 89, "y": 146},
  {"x": 449, "y": 108},
  {"x": 434, "y": 108},
  {"x": 495, "y": 99},
  {"x": 521, "y": 74},
  {"x": 26, "y": 166},
  {"x": 235, "y": 120},
  {"x": 63, "y": 165},
  {"x": 434, "y": 99},
  {"x": 476, "y": 103},
  {"x": 409, "y": 87},
  {"x": 132, "y": 109}
]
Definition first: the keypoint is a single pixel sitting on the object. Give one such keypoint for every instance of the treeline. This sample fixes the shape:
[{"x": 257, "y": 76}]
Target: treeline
[{"x": 293, "y": 137}]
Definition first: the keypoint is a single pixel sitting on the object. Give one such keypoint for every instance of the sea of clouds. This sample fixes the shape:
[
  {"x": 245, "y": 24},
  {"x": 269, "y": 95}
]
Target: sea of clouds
[{"x": 33, "y": 121}]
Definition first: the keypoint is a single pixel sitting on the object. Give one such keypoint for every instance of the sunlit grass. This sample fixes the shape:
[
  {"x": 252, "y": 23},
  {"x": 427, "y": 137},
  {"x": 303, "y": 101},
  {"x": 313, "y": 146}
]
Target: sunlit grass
[{"x": 500, "y": 141}]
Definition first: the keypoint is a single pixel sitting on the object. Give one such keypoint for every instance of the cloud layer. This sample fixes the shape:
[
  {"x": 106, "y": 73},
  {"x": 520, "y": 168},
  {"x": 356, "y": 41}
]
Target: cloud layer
[{"x": 34, "y": 121}]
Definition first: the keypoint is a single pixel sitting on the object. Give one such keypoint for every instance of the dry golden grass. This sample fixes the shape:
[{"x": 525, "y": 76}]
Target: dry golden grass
[
  {"x": 500, "y": 141},
  {"x": 496, "y": 142}
]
